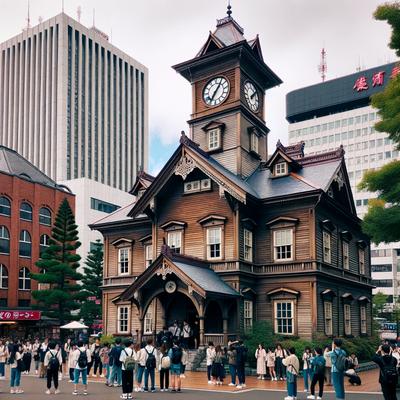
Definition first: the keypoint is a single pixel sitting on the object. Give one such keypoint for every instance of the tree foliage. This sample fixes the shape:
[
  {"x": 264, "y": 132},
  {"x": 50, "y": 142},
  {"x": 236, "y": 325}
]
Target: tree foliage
[
  {"x": 58, "y": 293},
  {"x": 91, "y": 285},
  {"x": 378, "y": 303}
]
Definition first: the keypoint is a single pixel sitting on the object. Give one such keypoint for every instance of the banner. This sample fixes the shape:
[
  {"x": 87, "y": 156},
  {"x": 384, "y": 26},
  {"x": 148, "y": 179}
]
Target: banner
[{"x": 18, "y": 315}]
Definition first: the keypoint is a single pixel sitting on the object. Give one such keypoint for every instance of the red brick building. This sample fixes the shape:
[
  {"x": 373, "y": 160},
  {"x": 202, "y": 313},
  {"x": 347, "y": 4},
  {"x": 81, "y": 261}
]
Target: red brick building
[{"x": 29, "y": 201}]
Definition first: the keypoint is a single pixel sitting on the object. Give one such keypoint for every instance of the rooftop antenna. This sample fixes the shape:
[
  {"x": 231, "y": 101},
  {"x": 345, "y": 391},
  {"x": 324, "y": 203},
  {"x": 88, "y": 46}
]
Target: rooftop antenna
[
  {"x": 62, "y": 6},
  {"x": 94, "y": 17},
  {"x": 229, "y": 8},
  {"x": 28, "y": 19},
  {"x": 79, "y": 13},
  {"x": 323, "y": 66}
]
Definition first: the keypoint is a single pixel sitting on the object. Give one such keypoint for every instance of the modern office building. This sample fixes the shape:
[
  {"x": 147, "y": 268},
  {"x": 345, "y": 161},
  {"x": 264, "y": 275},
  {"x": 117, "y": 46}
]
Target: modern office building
[
  {"x": 338, "y": 112},
  {"x": 76, "y": 107}
]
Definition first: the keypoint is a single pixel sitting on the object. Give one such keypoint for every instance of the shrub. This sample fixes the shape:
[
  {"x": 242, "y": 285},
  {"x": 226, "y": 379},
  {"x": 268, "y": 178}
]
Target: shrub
[{"x": 107, "y": 339}]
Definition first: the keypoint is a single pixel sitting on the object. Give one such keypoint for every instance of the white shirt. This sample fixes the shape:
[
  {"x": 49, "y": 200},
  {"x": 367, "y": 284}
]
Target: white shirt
[
  {"x": 76, "y": 354},
  {"x": 142, "y": 357},
  {"x": 186, "y": 331},
  {"x": 127, "y": 352},
  {"x": 210, "y": 355},
  {"x": 52, "y": 353}
]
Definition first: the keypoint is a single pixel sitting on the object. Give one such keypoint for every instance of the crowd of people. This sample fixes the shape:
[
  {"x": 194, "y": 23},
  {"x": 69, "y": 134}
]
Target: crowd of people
[{"x": 132, "y": 366}]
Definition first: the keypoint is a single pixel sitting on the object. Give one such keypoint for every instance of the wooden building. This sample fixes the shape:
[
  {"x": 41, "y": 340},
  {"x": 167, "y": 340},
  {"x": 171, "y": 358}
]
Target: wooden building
[{"x": 226, "y": 235}]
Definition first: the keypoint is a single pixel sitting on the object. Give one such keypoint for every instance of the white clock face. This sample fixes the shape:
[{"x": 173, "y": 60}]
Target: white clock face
[
  {"x": 170, "y": 287},
  {"x": 216, "y": 91},
  {"x": 251, "y": 96}
]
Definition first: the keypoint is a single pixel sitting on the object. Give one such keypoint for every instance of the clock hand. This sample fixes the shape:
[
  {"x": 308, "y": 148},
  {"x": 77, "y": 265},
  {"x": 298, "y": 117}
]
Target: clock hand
[
  {"x": 252, "y": 96},
  {"x": 215, "y": 91}
]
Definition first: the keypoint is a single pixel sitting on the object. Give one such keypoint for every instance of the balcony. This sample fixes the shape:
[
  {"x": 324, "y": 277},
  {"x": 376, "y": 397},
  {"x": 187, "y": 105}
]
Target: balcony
[{"x": 118, "y": 281}]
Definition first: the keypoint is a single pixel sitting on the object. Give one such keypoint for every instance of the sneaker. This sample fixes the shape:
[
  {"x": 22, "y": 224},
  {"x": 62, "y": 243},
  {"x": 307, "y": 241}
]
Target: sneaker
[
  {"x": 179, "y": 390},
  {"x": 102, "y": 376},
  {"x": 209, "y": 382},
  {"x": 319, "y": 398},
  {"x": 239, "y": 386},
  {"x": 182, "y": 376},
  {"x": 19, "y": 391},
  {"x": 75, "y": 392},
  {"x": 243, "y": 384},
  {"x": 130, "y": 396},
  {"x": 305, "y": 390},
  {"x": 153, "y": 390},
  {"x": 70, "y": 381},
  {"x": 231, "y": 384},
  {"x": 258, "y": 377},
  {"x": 123, "y": 396},
  {"x": 85, "y": 393},
  {"x": 311, "y": 397},
  {"x": 173, "y": 390},
  {"x": 288, "y": 398},
  {"x": 263, "y": 378},
  {"x": 57, "y": 391},
  {"x": 115, "y": 384},
  {"x": 47, "y": 391},
  {"x": 12, "y": 391}
]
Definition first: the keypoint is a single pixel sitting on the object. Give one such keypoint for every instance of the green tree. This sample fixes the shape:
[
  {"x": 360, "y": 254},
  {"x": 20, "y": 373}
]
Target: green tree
[
  {"x": 91, "y": 285},
  {"x": 58, "y": 293},
  {"x": 383, "y": 217},
  {"x": 378, "y": 303}
]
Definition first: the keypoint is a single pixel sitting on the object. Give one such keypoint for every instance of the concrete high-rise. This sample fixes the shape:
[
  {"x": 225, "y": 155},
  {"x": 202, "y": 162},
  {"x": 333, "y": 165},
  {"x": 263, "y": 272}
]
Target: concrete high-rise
[
  {"x": 73, "y": 104},
  {"x": 337, "y": 112}
]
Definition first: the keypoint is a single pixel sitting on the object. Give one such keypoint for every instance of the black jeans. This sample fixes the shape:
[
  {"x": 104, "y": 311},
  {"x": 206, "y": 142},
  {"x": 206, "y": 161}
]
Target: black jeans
[
  {"x": 241, "y": 374},
  {"x": 389, "y": 391},
  {"x": 164, "y": 378},
  {"x": 320, "y": 379},
  {"x": 280, "y": 372},
  {"x": 98, "y": 365},
  {"x": 52, "y": 375},
  {"x": 127, "y": 381}
]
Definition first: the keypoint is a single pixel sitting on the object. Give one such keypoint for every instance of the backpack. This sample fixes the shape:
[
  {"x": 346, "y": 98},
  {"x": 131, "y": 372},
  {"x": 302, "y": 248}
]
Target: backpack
[
  {"x": 389, "y": 373},
  {"x": 82, "y": 359},
  {"x": 341, "y": 363},
  {"x": 21, "y": 365},
  {"x": 319, "y": 367},
  {"x": 151, "y": 360},
  {"x": 176, "y": 355},
  {"x": 165, "y": 362},
  {"x": 130, "y": 362},
  {"x": 54, "y": 364}
]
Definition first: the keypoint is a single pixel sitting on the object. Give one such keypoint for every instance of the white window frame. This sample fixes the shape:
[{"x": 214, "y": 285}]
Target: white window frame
[
  {"x": 6, "y": 206},
  {"x": 30, "y": 212},
  {"x": 46, "y": 244},
  {"x": 286, "y": 244},
  {"x": 26, "y": 239},
  {"x": 5, "y": 235},
  {"x": 45, "y": 217},
  {"x": 281, "y": 168},
  {"x": 328, "y": 321},
  {"x": 345, "y": 251},
  {"x": 148, "y": 322},
  {"x": 247, "y": 245},
  {"x": 361, "y": 261},
  {"x": 148, "y": 255},
  {"x": 123, "y": 317},
  {"x": 248, "y": 315},
  {"x": 363, "y": 320},
  {"x": 254, "y": 139},
  {"x": 347, "y": 319},
  {"x": 123, "y": 263},
  {"x": 292, "y": 317},
  {"x": 214, "y": 139},
  {"x": 173, "y": 239},
  {"x": 327, "y": 246},
  {"x": 24, "y": 279},
  {"x": 213, "y": 242},
  {"x": 3, "y": 276}
]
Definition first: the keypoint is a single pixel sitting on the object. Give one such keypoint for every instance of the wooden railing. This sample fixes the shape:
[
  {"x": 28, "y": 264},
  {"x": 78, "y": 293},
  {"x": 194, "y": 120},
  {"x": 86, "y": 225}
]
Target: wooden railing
[
  {"x": 216, "y": 338},
  {"x": 118, "y": 280},
  {"x": 277, "y": 268}
]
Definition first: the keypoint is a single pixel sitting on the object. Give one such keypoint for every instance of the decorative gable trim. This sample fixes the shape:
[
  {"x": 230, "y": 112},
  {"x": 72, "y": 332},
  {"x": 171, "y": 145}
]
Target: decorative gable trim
[
  {"x": 283, "y": 290},
  {"x": 185, "y": 166},
  {"x": 346, "y": 235},
  {"x": 213, "y": 125},
  {"x": 282, "y": 219},
  {"x": 173, "y": 224},
  {"x": 212, "y": 44},
  {"x": 145, "y": 238},
  {"x": 249, "y": 221},
  {"x": 364, "y": 299},
  {"x": 212, "y": 217},
  {"x": 122, "y": 241},
  {"x": 327, "y": 224},
  {"x": 347, "y": 297},
  {"x": 328, "y": 294},
  {"x": 256, "y": 47},
  {"x": 361, "y": 244}
]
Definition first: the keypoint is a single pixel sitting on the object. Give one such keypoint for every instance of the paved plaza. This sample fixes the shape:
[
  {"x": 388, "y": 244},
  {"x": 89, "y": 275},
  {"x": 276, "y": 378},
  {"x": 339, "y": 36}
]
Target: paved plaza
[{"x": 194, "y": 388}]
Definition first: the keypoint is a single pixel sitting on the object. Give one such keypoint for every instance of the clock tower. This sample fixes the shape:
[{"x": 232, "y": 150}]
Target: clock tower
[{"x": 229, "y": 78}]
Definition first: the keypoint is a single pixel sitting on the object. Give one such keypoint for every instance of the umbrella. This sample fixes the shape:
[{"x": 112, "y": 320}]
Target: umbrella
[{"x": 74, "y": 325}]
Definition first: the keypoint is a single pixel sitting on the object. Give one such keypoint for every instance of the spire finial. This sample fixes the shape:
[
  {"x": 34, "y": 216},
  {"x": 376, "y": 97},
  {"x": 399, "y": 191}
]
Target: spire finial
[{"x": 229, "y": 12}]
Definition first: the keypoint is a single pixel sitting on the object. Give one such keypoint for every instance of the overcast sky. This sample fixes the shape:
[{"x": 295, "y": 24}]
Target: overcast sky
[{"x": 161, "y": 33}]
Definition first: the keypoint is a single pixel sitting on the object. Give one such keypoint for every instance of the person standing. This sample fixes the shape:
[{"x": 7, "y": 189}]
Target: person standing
[
  {"x": 3, "y": 357},
  {"x": 338, "y": 358},
  {"x": 15, "y": 362},
  {"x": 328, "y": 366},
  {"x": 318, "y": 368},
  {"x": 186, "y": 334},
  {"x": 175, "y": 355},
  {"x": 42, "y": 352},
  {"x": 175, "y": 331},
  {"x": 164, "y": 368},
  {"x": 210, "y": 356},
  {"x": 150, "y": 365},
  {"x": 271, "y": 364},
  {"x": 67, "y": 350},
  {"x": 81, "y": 359},
  {"x": 241, "y": 358},
  {"x": 232, "y": 364},
  {"x": 307, "y": 371},
  {"x": 27, "y": 356},
  {"x": 292, "y": 364},
  {"x": 116, "y": 370},
  {"x": 128, "y": 362},
  {"x": 218, "y": 371},
  {"x": 105, "y": 359},
  {"x": 280, "y": 354},
  {"x": 185, "y": 360},
  {"x": 164, "y": 337},
  {"x": 71, "y": 362},
  {"x": 36, "y": 355},
  {"x": 261, "y": 357},
  {"x": 97, "y": 364},
  {"x": 52, "y": 363},
  {"x": 388, "y": 376}
]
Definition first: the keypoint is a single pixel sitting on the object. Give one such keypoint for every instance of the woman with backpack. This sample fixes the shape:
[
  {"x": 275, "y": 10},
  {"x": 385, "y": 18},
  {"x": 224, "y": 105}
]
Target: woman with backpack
[
  {"x": 231, "y": 353},
  {"x": 307, "y": 370},
  {"x": 81, "y": 358},
  {"x": 218, "y": 371},
  {"x": 164, "y": 367},
  {"x": 292, "y": 364},
  {"x": 52, "y": 363},
  {"x": 339, "y": 366},
  {"x": 16, "y": 367},
  {"x": 388, "y": 376},
  {"x": 128, "y": 360},
  {"x": 317, "y": 364},
  {"x": 175, "y": 355}
]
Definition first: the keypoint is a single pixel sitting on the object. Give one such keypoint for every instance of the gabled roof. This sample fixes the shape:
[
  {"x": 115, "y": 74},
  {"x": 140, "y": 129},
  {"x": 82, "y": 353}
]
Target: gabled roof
[
  {"x": 143, "y": 181},
  {"x": 12, "y": 163}
]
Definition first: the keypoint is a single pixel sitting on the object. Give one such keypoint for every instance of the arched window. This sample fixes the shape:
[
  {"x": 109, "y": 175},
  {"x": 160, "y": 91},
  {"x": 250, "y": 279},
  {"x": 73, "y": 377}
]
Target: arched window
[
  {"x": 3, "y": 277},
  {"x": 45, "y": 216},
  {"x": 24, "y": 280},
  {"x": 25, "y": 244},
  {"x": 4, "y": 240},
  {"x": 25, "y": 212},
  {"x": 5, "y": 206},
  {"x": 44, "y": 242}
]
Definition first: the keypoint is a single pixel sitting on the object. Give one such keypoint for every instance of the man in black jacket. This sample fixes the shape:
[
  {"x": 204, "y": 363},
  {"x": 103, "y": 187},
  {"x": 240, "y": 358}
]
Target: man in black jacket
[{"x": 388, "y": 376}]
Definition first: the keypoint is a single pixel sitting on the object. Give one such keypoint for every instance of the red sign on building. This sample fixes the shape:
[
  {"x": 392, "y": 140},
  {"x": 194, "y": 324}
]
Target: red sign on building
[{"x": 17, "y": 315}]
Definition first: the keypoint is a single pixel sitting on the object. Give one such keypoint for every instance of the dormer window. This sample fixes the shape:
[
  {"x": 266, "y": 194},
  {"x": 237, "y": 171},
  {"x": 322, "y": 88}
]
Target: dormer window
[
  {"x": 254, "y": 142},
  {"x": 214, "y": 139},
  {"x": 280, "y": 168}
]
